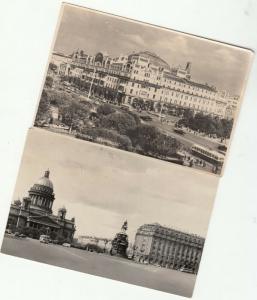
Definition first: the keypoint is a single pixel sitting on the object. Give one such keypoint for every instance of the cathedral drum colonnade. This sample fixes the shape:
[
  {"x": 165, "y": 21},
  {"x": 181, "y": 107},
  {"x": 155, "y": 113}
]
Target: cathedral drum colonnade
[{"x": 34, "y": 215}]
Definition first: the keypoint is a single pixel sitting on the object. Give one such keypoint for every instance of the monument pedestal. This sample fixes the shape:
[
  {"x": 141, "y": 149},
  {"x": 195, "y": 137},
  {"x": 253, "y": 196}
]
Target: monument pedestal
[{"x": 120, "y": 242}]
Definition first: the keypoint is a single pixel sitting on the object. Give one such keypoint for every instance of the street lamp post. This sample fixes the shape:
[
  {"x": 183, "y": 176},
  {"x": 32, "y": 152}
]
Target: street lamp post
[
  {"x": 160, "y": 115},
  {"x": 18, "y": 220},
  {"x": 91, "y": 84}
]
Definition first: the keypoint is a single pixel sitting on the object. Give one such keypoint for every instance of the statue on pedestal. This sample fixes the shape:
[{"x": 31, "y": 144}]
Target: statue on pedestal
[{"x": 120, "y": 242}]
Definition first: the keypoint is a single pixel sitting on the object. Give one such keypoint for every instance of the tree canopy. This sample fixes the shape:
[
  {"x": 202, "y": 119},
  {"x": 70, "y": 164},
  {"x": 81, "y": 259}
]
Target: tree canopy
[
  {"x": 49, "y": 81},
  {"x": 207, "y": 124},
  {"x": 149, "y": 140},
  {"x": 105, "y": 109},
  {"x": 121, "y": 122}
]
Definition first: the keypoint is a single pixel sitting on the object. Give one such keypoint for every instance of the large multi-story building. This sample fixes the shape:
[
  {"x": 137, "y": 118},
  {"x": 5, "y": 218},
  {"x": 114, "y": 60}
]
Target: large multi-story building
[
  {"x": 35, "y": 214},
  {"x": 144, "y": 75},
  {"x": 167, "y": 247},
  {"x": 232, "y": 104}
]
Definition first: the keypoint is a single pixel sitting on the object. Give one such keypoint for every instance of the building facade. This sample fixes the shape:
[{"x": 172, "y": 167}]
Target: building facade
[
  {"x": 166, "y": 247},
  {"x": 34, "y": 215},
  {"x": 144, "y": 75},
  {"x": 103, "y": 243},
  {"x": 58, "y": 59}
]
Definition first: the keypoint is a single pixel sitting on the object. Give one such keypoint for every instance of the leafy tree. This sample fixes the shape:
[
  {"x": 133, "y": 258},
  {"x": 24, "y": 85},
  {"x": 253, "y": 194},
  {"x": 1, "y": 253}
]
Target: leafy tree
[
  {"x": 207, "y": 124},
  {"x": 149, "y": 140},
  {"x": 59, "y": 98},
  {"x": 188, "y": 113},
  {"x": 227, "y": 126},
  {"x": 102, "y": 135},
  {"x": 121, "y": 122},
  {"x": 143, "y": 136},
  {"x": 74, "y": 114},
  {"x": 105, "y": 109},
  {"x": 165, "y": 146},
  {"x": 49, "y": 81},
  {"x": 31, "y": 232},
  {"x": 135, "y": 116},
  {"x": 52, "y": 67},
  {"x": 53, "y": 235},
  {"x": 43, "y": 108}
]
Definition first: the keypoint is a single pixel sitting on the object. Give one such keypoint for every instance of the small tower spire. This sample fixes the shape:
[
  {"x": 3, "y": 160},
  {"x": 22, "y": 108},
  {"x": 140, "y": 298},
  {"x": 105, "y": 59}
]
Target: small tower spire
[{"x": 47, "y": 172}]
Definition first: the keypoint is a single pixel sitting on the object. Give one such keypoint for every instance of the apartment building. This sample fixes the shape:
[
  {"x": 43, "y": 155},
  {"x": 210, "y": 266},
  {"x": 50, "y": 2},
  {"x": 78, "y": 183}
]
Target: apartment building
[
  {"x": 167, "y": 247},
  {"x": 146, "y": 76}
]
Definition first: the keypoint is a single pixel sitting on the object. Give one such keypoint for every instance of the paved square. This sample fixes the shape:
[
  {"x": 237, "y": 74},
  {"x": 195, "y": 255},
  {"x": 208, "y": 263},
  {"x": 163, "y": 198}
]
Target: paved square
[{"x": 103, "y": 265}]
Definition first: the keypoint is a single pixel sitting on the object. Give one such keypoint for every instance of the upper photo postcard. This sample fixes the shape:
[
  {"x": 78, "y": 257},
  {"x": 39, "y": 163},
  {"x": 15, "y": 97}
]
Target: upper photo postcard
[
  {"x": 143, "y": 89},
  {"x": 119, "y": 172}
]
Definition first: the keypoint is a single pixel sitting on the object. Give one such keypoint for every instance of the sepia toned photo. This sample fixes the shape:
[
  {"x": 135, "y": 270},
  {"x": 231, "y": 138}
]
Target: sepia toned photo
[
  {"x": 109, "y": 213},
  {"x": 143, "y": 89},
  {"x": 117, "y": 174}
]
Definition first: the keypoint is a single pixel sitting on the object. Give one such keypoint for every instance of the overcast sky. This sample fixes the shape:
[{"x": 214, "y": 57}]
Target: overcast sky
[
  {"x": 215, "y": 63},
  {"x": 102, "y": 187}
]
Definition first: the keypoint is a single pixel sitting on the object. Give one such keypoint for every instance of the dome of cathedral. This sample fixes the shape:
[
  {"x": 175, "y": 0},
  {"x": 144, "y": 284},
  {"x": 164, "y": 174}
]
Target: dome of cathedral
[
  {"x": 42, "y": 194},
  {"x": 45, "y": 181}
]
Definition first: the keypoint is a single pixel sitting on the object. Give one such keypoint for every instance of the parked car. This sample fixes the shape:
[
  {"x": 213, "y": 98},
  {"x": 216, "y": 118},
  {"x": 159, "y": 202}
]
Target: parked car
[
  {"x": 186, "y": 270},
  {"x": 22, "y": 235},
  {"x": 179, "y": 131},
  {"x": 8, "y": 231},
  {"x": 66, "y": 245},
  {"x": 44, "y": 239}
]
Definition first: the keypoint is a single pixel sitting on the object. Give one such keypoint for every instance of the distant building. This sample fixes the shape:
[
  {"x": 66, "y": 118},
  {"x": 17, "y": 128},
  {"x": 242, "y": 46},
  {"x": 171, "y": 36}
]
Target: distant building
[
  {"x": 103, "y": 243},
  {"x": 34, "y": 214},
  {"x": 232, "y": 105},
  {"x": 58, "y": 59},
  {"x": 144, "y": 75},
  {"x": 167, "y": 247}
]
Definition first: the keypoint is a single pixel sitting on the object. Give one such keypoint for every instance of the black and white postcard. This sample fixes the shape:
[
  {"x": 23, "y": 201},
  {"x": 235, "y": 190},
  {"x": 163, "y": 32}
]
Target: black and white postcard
[{"x": 120, "y": 170}]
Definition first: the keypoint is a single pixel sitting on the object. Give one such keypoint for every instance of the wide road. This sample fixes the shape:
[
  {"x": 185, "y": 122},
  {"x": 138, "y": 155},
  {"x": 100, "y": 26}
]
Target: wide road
[
  {"x": 188, "y": 139},
  {"x": 103, "y": 265}
]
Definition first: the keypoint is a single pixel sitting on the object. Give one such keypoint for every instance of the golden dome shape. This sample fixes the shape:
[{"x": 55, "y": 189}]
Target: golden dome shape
[{"x": 45, "y": 181}]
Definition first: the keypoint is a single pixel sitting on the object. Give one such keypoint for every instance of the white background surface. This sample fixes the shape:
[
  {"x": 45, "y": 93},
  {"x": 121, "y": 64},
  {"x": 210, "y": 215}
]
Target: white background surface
[{"x": 229, "y": 265}]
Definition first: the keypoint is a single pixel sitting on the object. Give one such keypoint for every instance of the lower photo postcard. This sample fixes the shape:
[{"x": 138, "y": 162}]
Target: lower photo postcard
[{"x": 109, "y": 213}]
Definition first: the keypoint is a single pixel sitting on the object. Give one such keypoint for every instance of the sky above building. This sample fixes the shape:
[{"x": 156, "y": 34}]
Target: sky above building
[
  {"x": 214, "y": 63},
  {"x": 102, "y": 187}
]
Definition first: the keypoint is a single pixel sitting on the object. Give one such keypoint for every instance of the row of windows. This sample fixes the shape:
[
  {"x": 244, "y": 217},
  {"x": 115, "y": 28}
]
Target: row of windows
[
  {"x": 177, "y": 254},
  {"x": 177, "y": 95},
  {"x": 192, "y": 87},
  {"x": 135, "y": 85},
  {"x": 188, "y": 86},
  {"x": 113, "y": 79},
  {"x": 109, "y": 85},
  {"x": 178, "y": 90}
]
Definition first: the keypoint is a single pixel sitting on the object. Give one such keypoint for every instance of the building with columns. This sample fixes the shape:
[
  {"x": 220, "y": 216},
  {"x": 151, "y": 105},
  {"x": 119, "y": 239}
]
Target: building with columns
[
  {"x": 146, "y": 76},
  {"x": 167, "y": 247},
  {"x": 34, "y": 215}
]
